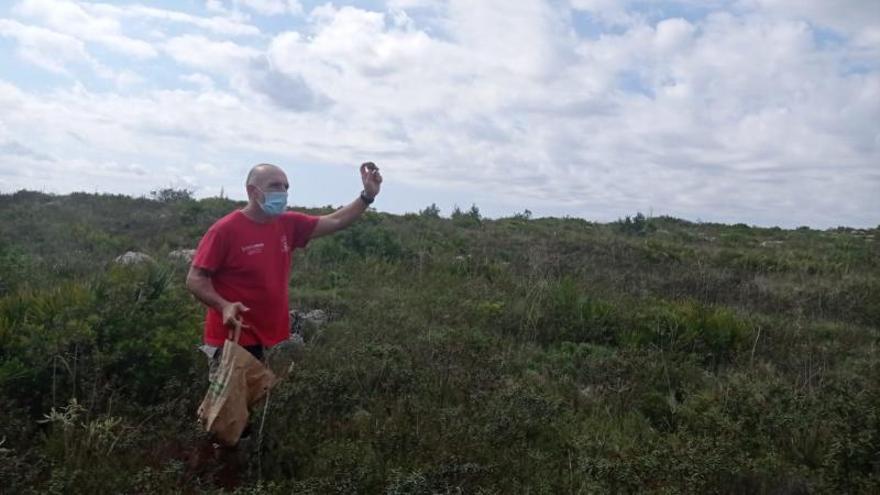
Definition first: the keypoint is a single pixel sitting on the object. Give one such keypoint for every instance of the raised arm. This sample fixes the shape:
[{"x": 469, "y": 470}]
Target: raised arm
[{"x": 345, "y": 216}]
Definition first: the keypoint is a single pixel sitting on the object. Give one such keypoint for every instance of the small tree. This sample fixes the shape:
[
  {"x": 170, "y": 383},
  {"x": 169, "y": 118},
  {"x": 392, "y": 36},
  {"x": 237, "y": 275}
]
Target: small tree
[
  {"x": 171, "y": 195},
  {"x": 474, "y": 213},
  {"x": 432, "y": 211},
  {"x": 637, "y": 225},
  {"x": 525, "y": 215},
  {"x": 471, "y": 218}
]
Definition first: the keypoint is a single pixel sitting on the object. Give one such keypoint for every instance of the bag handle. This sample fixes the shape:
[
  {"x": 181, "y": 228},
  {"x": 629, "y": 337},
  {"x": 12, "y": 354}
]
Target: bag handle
[{"x": 235, "y": 331}]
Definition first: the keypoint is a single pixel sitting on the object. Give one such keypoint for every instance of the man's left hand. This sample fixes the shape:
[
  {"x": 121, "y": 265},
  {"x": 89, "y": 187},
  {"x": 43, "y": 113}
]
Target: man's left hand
[{"x": 371, "y": 178}]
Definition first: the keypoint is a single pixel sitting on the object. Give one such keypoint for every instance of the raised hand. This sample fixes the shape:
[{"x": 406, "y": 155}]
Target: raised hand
[{"x": 371, "y": 178}]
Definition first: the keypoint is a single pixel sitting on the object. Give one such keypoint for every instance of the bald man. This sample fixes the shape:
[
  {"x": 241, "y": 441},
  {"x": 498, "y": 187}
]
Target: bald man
[{"x": 242, "y": 265}]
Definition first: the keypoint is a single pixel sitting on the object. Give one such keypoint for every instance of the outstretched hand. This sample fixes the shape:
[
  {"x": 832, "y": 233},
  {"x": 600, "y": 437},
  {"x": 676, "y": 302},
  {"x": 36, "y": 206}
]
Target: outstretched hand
[{"x": 371, "y": 178}]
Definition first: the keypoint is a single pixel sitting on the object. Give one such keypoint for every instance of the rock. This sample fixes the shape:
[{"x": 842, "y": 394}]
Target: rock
[
  {"x": 771, "y": 243},
  {"x": 182, "y": 255},
  {"x": 316, "y": 316},
  {"x": 133, "y": 258}
]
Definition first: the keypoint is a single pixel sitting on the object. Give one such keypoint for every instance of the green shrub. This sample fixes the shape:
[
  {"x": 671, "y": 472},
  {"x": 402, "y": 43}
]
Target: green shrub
[
  {"x": 568, "y": 315},
  {"x": 432, "y": 211},
  {"x": 365, "y": 238},
  {"x": 637, "y": 225},
  {"x": 714, "y": 333},
  {"x": 469, "y": 219}
]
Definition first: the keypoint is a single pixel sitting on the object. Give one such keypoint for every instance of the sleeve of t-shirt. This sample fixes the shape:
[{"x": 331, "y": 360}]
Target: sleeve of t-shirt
[
  {"x": 300, "y": 227},
  {"x": 211, "y": 251}
]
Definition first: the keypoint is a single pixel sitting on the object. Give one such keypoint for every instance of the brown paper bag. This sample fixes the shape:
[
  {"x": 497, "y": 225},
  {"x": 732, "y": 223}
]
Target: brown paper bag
[{"x": 240, "y": 381}]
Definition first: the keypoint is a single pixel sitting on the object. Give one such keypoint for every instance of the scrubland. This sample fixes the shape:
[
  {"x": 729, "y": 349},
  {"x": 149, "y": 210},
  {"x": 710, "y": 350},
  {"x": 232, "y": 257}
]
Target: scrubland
[{"x": 461, "y": 355}]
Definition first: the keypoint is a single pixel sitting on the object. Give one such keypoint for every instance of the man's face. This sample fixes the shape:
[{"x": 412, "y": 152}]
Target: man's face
[{"x": 271, "y": 180}]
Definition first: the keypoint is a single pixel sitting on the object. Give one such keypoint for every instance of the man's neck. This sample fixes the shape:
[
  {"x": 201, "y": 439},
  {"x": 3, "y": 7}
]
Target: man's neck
[{"x": 255, "y": 213}]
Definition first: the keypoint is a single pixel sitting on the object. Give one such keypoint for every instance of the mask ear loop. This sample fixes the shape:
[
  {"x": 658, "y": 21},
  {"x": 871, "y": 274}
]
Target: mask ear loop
[{"x": 263, "y": 202}]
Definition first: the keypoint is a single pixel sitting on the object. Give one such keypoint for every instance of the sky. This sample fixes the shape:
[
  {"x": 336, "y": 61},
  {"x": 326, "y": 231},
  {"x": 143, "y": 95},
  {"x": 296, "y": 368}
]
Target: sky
[{"x": 765, "y": 112}]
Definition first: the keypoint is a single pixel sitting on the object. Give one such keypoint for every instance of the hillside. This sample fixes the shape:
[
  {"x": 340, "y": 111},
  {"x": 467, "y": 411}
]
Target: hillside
[{"x": 461, "y": 355}]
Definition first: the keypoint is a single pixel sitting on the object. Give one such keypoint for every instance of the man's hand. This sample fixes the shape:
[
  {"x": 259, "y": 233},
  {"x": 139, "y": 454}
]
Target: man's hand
[
  {"x": 232, "y": 319},
  {"x": 371, "y": 178}
]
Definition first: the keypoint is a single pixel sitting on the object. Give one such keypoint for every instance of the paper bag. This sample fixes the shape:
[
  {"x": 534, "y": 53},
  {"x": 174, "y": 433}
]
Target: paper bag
[{"x": 239, "y": 382}]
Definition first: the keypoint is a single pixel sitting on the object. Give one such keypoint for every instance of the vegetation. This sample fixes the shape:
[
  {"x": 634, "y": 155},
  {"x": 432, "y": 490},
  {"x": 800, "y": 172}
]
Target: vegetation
[{"x": 462, "y": 355}]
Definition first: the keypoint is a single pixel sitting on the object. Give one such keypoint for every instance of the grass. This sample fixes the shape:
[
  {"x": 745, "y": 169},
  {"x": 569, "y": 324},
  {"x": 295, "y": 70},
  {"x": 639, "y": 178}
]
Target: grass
[{"x": 462, "y": 355}]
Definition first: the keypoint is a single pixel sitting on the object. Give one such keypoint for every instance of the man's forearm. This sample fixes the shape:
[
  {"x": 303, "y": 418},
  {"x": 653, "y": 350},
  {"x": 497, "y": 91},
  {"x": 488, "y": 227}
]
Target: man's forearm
[
  {"x": 340, "y": 218},
  {"x": 346, "y": 215},
  {"x": 202, "y": 287}
]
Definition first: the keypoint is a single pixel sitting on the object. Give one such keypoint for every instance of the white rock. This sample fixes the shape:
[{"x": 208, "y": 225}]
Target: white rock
[
  {"x": 182, "y": 254},
  {"x": 771, "y": 243},
  {"x": 316, "y": 316},
  {"x": 132, "y": 258}
]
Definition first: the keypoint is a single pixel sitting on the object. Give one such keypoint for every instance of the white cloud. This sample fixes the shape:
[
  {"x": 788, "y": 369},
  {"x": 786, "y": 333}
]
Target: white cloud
[
  {"x": 216, "y": 6},
  {"x": 44, "y": 47},
  {"x": 15, "y": 148},
  {"x": 70, "y": 17},
  {"x": 203, "y": 53},
  {"x": 745, "y": 112},
  {"x": 206, "y": 168},
  {"x": 272, "y": 7},
  {"x": 414, "y": 4},
  {"x": 847, "y": 16},
  {"x": 59, "y": 53},
  {"x": 227, "y": 24},
  {"x": 201, "y": 81}
]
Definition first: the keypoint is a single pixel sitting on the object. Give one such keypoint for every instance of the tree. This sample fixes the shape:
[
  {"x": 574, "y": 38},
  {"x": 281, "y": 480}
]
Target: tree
[
  {"x": 171, "y": 195},
  {"x": 471, "y": 218},
  {"x": 637, "y": 225},
  {"x": 432, "y": 211}
]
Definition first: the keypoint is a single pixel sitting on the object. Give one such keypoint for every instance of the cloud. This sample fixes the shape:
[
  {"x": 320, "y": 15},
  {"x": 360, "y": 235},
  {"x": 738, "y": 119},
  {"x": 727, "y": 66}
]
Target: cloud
[
  {"x": 59, "y": 53},
  {"x": 228, "y": 24},
  {"x": 845, "y": 16},
  {"x": 724, "y": 110},
  {"x": 72, "y": 18},
  {"x": 202, "y": 81},
  {"x": 272, "y": 7},
  {"x": 206, "y": 168},
  {"x": 197, "y": 51},
  {"x": 289, "y": 92},
  {"x": 46, "y": 48},
  {"x": 15, "y": 148}
]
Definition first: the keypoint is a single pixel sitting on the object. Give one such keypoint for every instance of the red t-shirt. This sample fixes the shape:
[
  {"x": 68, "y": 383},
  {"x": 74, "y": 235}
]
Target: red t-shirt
[{"x": 251, "y": 263}]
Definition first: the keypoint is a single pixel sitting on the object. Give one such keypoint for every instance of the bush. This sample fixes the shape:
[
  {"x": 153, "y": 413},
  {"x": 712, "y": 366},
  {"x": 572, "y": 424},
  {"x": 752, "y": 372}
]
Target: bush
[
  {"x": 368, "y": 238},
  {"x": 713, "y": 333},
  {"x": 468, "y": 219},
  {"x": 171, "y": 195},
  {"x": 432, "y": 211},
  {"x": 566, "y": 314},
  {"x": 637, "y": 225}
]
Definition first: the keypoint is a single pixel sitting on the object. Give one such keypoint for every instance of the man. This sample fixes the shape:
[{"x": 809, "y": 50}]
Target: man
[{"x": 242, "y": 265}]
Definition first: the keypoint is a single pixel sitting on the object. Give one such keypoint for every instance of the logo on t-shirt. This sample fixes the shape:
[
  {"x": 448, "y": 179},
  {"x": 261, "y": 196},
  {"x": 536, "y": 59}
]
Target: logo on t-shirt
[
  {"x": 253, "y": 249},
  {"x": 284, "y": 247}
]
